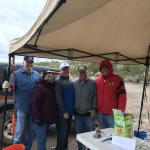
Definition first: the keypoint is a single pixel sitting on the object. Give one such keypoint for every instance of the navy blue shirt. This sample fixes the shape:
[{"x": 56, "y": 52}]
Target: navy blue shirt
[
  {"x": 24, "y": 84},
  {"x": 65, "y": 95}
]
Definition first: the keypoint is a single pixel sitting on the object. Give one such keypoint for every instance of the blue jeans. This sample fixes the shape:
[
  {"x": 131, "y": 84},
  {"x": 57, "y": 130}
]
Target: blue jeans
[
  {"x": 63, "y": 127},
  {"x": 83, "y": 124},
  {"x": 24, "y": 130},
  {"x": 105, "y": 121},
  {"x": 41, "y": 134}
]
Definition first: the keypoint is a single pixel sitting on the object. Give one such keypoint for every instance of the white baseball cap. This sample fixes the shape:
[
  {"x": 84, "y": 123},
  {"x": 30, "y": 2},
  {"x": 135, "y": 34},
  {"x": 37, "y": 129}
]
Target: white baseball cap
[{"x": 64, "y": 65}]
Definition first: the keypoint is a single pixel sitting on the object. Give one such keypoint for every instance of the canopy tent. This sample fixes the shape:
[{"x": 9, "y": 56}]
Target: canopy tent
[{"x": 88, "y": 30}]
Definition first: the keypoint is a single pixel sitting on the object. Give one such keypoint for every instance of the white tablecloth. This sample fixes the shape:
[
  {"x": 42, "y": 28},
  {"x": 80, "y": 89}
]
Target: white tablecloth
[{"x": 93, "y": 143}]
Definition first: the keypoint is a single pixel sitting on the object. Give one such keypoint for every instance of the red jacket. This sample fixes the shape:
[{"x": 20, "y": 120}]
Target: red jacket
[{"x": 111, "y": 91}]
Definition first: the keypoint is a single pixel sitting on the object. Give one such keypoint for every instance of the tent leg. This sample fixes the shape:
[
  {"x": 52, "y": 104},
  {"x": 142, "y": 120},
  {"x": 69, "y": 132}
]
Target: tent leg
[
  {"x": 5, "y": 105},
  {"x": 144, "y": 88}
]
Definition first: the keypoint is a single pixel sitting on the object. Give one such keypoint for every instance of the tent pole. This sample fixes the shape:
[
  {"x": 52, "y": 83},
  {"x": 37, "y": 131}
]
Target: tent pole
[
  {"x": 5, "y": 104},
  {"x": 144, "y": 88}
]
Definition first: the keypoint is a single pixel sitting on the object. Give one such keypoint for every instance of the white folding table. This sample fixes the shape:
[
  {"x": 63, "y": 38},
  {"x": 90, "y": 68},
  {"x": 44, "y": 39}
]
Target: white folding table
[{"x": 89, "y": 141}]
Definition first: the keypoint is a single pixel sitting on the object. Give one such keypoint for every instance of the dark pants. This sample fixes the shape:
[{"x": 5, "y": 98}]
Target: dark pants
[
  {"x": 63, "y": 127},
  {"x": 83, "y": 124}
]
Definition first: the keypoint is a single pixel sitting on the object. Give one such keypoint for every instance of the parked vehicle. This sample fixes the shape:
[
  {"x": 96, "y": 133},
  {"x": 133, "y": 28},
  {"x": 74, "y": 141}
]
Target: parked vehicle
[{"x": 8, "y": 138}]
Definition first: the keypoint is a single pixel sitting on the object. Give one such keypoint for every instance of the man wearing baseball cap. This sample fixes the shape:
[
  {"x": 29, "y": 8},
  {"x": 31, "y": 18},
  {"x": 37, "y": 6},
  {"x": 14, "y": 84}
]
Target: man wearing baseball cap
[
  {"x": 85, "y": 103},
  {"x": 65, "y": 104},
  {"x": 24, "y": 81}
]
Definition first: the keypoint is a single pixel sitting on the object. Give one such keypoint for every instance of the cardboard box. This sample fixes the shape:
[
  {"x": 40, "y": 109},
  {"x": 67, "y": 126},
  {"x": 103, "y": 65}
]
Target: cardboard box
[{"x": 123, "y": 124}]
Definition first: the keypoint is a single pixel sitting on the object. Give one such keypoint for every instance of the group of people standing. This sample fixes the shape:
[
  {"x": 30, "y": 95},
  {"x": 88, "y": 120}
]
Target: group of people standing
[{"x": 41, "y": 101}]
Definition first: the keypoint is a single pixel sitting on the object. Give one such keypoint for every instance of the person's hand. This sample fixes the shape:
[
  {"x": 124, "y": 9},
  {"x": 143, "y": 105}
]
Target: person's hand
[
  {"x": 38, "y": 122},
  {"x": 6, "y": 85},
  {"x": 66, "y": 115},
  {"x": 93, "y": 113}
]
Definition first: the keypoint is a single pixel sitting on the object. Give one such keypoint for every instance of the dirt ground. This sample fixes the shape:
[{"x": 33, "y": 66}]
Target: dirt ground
[{"x": 134, "y": 93}]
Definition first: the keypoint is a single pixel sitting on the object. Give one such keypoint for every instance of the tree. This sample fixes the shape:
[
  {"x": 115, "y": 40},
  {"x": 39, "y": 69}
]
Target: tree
[{"x": 133, "y": 73}]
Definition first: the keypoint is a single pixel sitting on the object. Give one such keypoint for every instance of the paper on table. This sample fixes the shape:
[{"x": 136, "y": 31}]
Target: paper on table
[{"x": 126, "y": 143}]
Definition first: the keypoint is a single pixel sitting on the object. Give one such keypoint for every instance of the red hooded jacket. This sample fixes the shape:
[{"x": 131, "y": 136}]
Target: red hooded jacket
[{"x": 111, "y": 91}]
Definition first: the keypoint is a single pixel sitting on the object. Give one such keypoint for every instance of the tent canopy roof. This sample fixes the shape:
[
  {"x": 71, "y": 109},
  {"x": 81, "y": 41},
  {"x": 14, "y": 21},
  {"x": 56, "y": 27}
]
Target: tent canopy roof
[{"x": 88, "y": 30}]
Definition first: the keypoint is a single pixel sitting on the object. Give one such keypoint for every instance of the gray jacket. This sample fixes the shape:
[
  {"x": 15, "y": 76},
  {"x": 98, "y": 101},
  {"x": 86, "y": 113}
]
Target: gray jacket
[{"x": 85, "y": 96}]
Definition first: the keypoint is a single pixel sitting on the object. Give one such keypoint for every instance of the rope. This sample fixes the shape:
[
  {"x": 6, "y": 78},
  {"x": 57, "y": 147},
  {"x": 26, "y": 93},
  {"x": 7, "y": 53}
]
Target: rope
[
  {"x": 13, "y": 75},
  {"x": 13, "y": 90}
]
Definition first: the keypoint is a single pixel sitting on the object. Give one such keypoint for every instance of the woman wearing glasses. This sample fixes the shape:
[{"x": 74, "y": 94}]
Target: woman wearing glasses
[{"x": 44, "y": 110}]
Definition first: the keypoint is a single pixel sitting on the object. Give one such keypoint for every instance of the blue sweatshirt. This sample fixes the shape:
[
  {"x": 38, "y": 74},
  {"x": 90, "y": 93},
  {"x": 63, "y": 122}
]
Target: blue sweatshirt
[
  {"x": 24, "y": 85},
  {"x": 65, "y": 95}
]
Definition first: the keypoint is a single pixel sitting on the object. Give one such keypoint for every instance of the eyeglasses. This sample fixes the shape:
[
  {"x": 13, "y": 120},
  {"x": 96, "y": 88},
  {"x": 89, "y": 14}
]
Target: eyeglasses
[{"x": 49, "y": 76}]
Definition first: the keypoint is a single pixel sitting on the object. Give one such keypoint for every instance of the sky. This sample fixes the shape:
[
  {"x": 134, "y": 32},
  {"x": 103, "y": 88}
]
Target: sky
[{"x": 16, "y": 18}]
